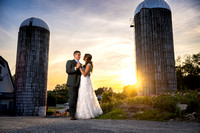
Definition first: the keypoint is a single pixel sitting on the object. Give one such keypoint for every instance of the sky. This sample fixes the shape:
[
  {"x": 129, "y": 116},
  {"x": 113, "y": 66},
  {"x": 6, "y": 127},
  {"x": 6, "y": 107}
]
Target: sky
[{"x": 99, "y": 27}]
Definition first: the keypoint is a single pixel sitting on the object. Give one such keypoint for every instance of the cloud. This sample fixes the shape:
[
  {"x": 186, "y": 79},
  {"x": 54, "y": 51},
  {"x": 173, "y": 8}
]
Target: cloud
[{"x": 186, "y": 26}]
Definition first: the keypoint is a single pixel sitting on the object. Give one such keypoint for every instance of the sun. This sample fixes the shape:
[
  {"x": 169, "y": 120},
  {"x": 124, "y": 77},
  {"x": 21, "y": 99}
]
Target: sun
[{"x": 128, "y": 76}]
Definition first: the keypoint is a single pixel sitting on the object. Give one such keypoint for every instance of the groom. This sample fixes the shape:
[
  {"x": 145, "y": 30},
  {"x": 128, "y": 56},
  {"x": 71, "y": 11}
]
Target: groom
[{"x": 73, "y": 81}]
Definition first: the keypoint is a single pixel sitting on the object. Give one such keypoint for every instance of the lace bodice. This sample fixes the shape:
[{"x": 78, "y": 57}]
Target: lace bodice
[{"x": 90, "y": 69}]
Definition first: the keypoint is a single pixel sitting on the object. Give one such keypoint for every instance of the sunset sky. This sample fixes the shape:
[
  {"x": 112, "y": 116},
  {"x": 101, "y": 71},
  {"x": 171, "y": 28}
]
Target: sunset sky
[{"x": 99, "y": 27}]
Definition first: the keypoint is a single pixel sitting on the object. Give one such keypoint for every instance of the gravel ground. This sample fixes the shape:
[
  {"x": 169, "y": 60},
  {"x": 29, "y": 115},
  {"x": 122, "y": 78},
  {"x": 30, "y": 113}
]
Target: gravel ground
[{"x": 29, "y": 124}]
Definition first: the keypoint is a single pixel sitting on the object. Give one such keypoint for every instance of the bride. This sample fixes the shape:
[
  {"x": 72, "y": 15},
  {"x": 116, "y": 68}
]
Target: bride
[{"x": 87, "y": 104}]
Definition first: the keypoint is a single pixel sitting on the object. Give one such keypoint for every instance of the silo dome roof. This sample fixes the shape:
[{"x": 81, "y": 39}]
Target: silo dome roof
[
  {"x": 152, "y": 4},
  {"x": 35, "y": 22}
]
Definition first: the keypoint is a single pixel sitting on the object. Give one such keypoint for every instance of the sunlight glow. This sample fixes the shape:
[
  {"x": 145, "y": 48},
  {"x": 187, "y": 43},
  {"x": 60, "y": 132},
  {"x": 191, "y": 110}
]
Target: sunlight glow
[
  {"x": 128, "y": 76},
  {"x": 128, "y": 72}
]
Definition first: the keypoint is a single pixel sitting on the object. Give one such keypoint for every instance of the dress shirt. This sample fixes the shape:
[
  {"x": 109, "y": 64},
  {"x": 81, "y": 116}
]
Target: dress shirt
[{"x": 77, "y": 62}]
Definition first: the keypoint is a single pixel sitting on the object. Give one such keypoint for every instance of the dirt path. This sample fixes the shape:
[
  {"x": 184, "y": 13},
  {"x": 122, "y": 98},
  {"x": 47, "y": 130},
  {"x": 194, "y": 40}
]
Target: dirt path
[{"x": 63, "y": 125}]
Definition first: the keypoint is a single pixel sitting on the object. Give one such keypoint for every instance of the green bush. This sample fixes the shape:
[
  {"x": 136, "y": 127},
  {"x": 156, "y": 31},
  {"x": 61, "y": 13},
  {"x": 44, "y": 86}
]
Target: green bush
[
  {"x": 138, "y": 100},
  {"x": 165, "y": 103},
  {"x": 107, "y": 96},
  {"x": 119, "y": 96},
  {"x": 161, "y": 107},
  {"x": 191, "y": 99},
  {"x": 107, "y": 107},
  {"x": 143, "y": 100},
  {"x": 50, "y": 112},
  {"x": 153, "y": 114},
  {"x": 129, "y": 101}
]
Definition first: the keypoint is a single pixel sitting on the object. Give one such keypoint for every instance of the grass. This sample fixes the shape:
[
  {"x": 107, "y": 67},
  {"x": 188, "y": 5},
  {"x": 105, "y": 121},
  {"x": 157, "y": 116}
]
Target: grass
[
  {"x": 154, "y": 115},
  {"x": 114, "y": 114},
  {"x": 56, "y": 107}
]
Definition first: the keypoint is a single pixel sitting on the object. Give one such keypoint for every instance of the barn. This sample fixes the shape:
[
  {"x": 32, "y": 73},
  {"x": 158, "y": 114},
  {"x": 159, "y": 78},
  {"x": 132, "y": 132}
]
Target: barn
[{"x": 6, "y": 89}]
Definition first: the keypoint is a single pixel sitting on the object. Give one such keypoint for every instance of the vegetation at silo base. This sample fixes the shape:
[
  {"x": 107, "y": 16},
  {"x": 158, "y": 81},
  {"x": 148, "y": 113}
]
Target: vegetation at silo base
[{"x": 161, "y": 108}]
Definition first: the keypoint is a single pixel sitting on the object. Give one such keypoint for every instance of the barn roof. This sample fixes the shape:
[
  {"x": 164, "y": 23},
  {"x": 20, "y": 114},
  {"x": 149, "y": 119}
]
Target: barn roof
[
  {"x": 152, "y": 4},
  {"x": 35, "y": 22}
]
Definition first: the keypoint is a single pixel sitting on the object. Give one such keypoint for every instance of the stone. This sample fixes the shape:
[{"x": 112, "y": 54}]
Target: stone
[{"x": 182, "y": 107}]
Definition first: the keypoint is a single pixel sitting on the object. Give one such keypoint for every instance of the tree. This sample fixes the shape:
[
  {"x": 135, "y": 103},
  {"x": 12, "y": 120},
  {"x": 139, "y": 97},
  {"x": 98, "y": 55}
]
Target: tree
[
  {"x": 100, "y": 90},
  {"x": 51, "y": 98},
  {"x": 188, "y": 71},
  {"x": 60, "y": 93}
]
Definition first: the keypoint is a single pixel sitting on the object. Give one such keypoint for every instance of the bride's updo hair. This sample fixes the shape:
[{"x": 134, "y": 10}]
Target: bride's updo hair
[{"x": 88, "y": 58}]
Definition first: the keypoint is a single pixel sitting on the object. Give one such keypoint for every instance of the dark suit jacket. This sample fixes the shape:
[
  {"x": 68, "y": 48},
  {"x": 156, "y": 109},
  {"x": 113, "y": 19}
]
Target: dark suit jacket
[{"x": 73, "y": 75}]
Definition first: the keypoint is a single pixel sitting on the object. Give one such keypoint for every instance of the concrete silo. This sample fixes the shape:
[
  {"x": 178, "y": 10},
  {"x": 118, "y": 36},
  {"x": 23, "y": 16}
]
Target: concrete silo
[
  {"x": 154, "y": 48},
  {"x": 31, "y": 68}
]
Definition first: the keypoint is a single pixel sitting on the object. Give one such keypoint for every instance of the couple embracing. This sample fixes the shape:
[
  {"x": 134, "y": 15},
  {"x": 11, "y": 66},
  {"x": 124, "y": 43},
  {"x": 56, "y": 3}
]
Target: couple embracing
[{"x": 83, "y": 103}]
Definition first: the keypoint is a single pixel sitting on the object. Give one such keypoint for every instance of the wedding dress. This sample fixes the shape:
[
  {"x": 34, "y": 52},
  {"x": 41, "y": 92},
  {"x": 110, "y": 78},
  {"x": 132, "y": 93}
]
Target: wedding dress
[{"x": 87, "y": 104}]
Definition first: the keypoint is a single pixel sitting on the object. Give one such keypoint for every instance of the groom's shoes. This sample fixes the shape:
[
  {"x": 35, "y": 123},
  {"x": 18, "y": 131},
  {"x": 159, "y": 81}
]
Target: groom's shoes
[{"x": 73, "y": 118}]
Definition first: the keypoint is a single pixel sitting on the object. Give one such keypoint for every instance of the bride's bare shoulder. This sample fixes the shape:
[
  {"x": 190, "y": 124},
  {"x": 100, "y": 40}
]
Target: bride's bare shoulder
[{"x": 89, "y": 65}]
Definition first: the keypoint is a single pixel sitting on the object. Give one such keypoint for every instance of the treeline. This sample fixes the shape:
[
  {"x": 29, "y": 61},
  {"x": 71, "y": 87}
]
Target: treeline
[
  {"x": 188, "y": 72},
  {"x": 59, "y": 95}
]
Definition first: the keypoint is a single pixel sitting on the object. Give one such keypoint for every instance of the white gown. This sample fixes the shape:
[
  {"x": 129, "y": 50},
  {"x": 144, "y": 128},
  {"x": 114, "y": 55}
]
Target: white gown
[{"x": 87, "y": 104}]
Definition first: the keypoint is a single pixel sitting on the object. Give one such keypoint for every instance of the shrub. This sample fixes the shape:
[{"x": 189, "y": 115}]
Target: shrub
[
  {"x": 161, "y": 107},
  {"x": 143, "y": 100},
  {"x": 107, "y": 107},
  {"x": 138, "y": 100},
  {"x": 107, "y": 96},
  {"x": 165, "y": 103},
  {"x": 50, "y": 112},
  {"x": 153, "y": 114},
  {"x": 119, "y": 96},
  {"x": 190, "y": 98}
]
